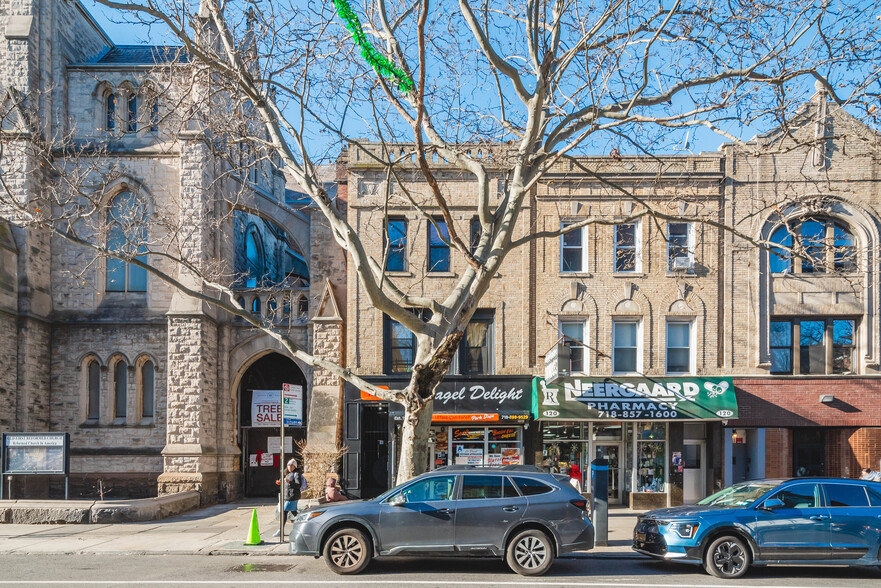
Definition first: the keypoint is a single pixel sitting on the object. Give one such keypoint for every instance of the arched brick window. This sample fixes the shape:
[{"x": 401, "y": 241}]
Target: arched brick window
[{"x": 825, "y": 245}]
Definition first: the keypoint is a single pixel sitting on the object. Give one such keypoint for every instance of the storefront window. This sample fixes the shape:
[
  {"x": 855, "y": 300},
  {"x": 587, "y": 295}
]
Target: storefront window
[
  {"x": 607, "y": 431},
  {"x": 559, "y": 456},
  {"x": 491, "y": 446},
  {"x": 566, "y": 446},
  {"x": 651, "y": 457},
  {"x": 562, "y": 430}
]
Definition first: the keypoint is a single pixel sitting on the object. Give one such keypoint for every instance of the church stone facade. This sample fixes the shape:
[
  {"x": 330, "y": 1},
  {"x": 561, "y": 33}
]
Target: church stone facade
[{"x": 152, "y": 385}]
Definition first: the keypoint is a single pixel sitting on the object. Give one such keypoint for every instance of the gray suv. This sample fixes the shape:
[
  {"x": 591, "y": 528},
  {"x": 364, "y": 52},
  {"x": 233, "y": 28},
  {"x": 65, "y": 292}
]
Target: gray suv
[{"x": 516, "y": 512}]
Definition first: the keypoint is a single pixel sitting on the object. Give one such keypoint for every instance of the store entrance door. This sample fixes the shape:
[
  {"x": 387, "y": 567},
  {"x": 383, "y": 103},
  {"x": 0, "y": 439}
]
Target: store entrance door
[
  {"x": 694, "y": 471},
  {"x": 374, "y": 449},
  {"x": 611, "y": 452}
]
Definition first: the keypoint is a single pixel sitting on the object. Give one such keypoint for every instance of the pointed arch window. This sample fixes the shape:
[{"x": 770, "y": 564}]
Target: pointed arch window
[
  {"x": 148, "y": 372},
  {"x": 127, "y": 235},
  {"x": 93, "y": 383},
  {"x": 120, "y": 389},
  {"x": 110, "y": 112},
  {"x": 132, "y": 118},
  {"x": 254, "y": 258},
  {"x": 154, "y": 115}
]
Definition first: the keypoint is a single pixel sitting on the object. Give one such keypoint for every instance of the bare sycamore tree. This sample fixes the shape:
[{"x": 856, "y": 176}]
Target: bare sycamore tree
[{"x": 533, "y": 85}]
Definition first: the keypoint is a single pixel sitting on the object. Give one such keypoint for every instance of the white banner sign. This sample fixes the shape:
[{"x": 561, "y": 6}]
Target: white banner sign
[
  {"x": 293, "y": 405},
  {"x": 266, "y": 408}
]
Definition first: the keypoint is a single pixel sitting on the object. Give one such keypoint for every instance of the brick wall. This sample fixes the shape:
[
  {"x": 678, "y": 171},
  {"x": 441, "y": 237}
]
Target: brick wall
[
  {"x": 864, "y": 449},
  {"x": 795, "y": 402},
  {"x": 778, "y": 453}
]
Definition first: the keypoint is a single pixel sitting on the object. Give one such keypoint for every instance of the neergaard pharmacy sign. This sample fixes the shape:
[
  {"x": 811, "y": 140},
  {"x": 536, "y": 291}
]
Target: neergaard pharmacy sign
[{"x": 635, "y": 399}]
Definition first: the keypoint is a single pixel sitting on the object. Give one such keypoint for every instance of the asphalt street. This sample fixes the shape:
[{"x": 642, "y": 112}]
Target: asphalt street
[{"x": 225, "y": 570}]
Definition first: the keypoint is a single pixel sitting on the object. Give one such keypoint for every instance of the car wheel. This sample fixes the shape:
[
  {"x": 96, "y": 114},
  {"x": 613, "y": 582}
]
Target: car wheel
[
  {"x": 530, "y": 553},
  {"x": 727, "y": 557},
  {"x": 347, "y": 551}
]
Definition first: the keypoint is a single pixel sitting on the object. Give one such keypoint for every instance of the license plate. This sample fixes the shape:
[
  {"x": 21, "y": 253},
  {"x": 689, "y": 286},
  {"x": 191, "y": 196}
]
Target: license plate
[{"x": 640, "y": 536}]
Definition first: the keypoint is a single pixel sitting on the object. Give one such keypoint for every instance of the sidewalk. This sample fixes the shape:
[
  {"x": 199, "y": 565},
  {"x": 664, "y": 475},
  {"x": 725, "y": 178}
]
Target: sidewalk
[{"x": 215, "y": 530}]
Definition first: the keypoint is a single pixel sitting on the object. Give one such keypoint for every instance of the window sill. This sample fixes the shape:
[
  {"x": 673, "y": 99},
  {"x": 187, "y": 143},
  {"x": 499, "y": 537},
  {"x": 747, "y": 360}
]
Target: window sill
[
  {"x": 118, "y": 422},
  {"x": 832, "y": 274},
  {"x": 90, "y": 424},
  {"x": 681, "y": 274},
  {"x": 399, "y": 274},
  {"x": 441, "y": 275},
  {"x": 146, "y": 422},
  {"x": 811, "y": 376},
  {"x": 576, "y": 275},
  {"x": 629, "y": 274}
]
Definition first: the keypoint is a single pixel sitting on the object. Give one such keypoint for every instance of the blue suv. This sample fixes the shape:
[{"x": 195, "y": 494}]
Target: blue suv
[{"x": 799, "y": 521}]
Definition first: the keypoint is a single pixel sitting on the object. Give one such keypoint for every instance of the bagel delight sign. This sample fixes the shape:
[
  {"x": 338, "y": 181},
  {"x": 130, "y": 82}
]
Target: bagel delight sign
[{"x": 635, "y": 399}]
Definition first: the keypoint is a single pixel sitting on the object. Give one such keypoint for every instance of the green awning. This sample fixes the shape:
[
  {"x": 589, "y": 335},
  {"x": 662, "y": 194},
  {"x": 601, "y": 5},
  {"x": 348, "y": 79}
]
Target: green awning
[{"x": 635, "y": 399}]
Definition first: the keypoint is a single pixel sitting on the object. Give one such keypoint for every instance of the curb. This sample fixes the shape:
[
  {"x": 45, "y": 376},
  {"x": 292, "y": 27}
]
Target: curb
[{"x": 270, "y": 550}]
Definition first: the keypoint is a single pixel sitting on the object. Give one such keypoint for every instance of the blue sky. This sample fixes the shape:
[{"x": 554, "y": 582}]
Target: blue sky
[{"x": 127, "y": 33}]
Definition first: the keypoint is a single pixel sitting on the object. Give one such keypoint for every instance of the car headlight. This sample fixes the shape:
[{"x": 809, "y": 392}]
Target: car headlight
[
  {"x": 308, "y": 516},
  {"x": 684, "y": 530}
]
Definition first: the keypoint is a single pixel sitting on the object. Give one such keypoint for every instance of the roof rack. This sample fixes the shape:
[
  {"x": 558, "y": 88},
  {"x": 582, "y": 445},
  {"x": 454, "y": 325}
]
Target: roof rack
[{"x": 484, "y": 468}]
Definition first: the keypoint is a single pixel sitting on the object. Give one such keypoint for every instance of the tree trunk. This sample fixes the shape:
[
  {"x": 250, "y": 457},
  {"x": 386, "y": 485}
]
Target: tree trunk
[
  {"x": 414, "y": 442},
  {"x": 419, "y": 407}
]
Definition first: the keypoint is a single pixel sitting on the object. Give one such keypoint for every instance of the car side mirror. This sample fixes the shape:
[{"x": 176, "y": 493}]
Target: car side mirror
[
  {"x": 772, "y": 504},
  {"x": 398, "y": 500}
]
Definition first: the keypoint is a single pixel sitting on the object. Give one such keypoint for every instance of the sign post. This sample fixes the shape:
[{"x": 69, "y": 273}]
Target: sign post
[
  {"x": 291, "y": 416},
  {"x": 282, "y": 515}
]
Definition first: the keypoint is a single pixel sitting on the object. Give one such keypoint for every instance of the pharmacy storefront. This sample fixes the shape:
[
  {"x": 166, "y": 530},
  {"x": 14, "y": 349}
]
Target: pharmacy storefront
[{"x": 662, "y": 437}]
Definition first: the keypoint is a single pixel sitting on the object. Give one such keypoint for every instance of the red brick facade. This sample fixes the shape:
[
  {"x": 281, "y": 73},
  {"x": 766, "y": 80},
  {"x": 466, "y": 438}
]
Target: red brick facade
[
  {"x": 778, "y": 453},
  {"x": 851, "y": 422},
  {"x": 795, "y": 402}
]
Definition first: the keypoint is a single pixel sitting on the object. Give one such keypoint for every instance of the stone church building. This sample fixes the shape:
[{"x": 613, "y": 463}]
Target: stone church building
[{"x": 154, "y": 386}]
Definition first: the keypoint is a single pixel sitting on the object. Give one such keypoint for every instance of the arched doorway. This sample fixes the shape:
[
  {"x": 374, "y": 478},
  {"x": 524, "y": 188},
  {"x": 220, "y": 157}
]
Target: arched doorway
[{"x": 261, "y": 468}]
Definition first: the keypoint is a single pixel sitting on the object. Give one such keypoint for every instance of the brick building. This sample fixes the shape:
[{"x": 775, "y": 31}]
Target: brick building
[
  {"x": 154, "y": 387},
  {"x": 784, "y": 349},
  {"x": 802, "y": 333}
]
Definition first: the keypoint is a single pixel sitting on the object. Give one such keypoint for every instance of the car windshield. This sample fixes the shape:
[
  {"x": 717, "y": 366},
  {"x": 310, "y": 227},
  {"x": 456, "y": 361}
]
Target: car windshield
[
  {"x": 738, "y": 495},
  {"x": 392, "y": 491}
]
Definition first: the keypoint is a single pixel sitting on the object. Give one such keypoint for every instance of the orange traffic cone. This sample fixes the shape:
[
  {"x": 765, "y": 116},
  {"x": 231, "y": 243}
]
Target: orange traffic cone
[{"x": 254, "y": 531}]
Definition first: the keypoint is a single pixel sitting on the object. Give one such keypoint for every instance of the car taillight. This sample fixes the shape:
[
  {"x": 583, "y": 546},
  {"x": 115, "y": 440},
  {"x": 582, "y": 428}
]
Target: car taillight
[{"x": 580, "y": 503}]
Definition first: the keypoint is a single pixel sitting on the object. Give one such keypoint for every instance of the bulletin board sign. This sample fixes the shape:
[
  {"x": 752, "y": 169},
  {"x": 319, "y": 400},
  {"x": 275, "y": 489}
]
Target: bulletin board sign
[{"x": 35, "y": 453}]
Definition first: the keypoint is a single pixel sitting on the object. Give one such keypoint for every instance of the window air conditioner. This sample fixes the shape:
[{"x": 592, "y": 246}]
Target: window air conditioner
[{"x": 682, "y": 264}]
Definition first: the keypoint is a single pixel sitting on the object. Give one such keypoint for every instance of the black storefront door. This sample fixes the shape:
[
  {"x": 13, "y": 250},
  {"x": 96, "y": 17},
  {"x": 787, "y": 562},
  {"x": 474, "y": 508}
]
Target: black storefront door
[
  {"x": 808, "y": 452},
  {"x": 374, "y": 449}
]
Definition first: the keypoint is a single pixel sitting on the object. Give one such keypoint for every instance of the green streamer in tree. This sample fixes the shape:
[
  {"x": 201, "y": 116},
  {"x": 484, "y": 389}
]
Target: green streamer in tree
[{"x": 374, "y": 58}]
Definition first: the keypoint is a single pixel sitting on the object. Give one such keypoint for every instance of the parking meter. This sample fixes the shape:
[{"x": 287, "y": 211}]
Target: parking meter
[{"x": 599, "y": 500}]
